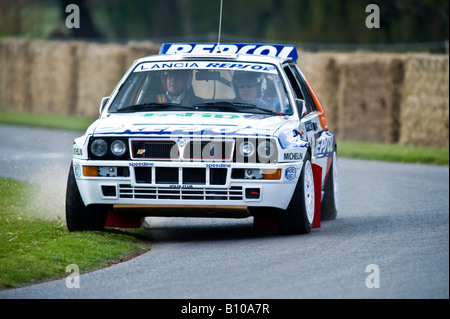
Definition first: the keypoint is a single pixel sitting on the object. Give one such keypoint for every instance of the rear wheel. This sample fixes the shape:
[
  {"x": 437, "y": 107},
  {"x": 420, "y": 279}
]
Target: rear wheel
[
  {"x": 78, "y": 216},
  {"x": 330, "y": 201},
  {"x": 299, "y": 215}
]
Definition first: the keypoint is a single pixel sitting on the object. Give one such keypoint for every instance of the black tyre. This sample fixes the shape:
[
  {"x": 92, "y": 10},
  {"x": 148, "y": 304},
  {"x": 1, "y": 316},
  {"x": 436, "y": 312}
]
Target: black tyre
[
  {"x": 299, "y": 215},
  {"x": 330, "y": 200},
  {"x": 78, "y": 216}
]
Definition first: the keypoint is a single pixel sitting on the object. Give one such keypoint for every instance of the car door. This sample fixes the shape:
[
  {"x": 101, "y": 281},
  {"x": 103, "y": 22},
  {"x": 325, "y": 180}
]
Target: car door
[
  {"x": 305, "y": 106},
  {"x": 313, "y": 122}
]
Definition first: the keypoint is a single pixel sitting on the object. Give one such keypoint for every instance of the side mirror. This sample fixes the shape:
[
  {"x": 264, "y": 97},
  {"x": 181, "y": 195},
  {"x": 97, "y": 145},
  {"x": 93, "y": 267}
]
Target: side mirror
[
  {"x": 301, "y": 107},
  {"x": 103, "y": 104}
]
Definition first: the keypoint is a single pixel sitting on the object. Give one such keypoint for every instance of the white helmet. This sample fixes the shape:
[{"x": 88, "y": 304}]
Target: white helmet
[{"x": 249, "y": 79}]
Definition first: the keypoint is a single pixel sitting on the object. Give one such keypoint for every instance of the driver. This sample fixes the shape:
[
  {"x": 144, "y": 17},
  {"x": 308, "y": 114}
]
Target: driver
[
  {"x": 249, "y": 87},
  {"x": 177, "y": 85}
]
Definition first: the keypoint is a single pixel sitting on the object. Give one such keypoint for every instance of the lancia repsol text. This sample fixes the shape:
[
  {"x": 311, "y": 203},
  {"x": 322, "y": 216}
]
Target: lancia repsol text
[{"x": 292, "y": 156}]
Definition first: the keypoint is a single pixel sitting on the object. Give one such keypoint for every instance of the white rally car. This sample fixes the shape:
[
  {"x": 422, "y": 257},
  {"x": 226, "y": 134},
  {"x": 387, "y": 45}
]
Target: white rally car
[{"x": 207, "y": 130}]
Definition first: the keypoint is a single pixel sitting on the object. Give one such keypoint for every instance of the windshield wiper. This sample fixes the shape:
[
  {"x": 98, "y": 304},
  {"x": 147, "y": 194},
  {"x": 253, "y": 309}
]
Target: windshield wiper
[
  {"x": 152, "y": 106},
  {"x": 235, "y": 106}
]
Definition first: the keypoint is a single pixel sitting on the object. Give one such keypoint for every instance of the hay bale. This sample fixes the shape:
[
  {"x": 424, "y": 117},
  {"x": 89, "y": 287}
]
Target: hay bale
[
  {"x": 100, "y": 67},
  {"x": 322, "y": 72},
  {"x": 15, "y": 66},
  {"x": 137, "y": 50},
  {"x": 53, "y": 77},
  {"x": 425, "y": 106},
  {"x": 368, "y": 97},
  {"x": 5, "y": 96}
]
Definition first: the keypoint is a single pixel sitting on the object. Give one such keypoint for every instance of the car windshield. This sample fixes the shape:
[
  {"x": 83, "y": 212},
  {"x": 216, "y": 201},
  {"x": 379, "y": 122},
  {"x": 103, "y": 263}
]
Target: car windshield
[{"x": 203, "y": 86}]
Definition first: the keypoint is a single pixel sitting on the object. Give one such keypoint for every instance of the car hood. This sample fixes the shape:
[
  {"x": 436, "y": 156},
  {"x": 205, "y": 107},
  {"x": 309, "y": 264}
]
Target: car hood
[{"x": 189, "y": 123}]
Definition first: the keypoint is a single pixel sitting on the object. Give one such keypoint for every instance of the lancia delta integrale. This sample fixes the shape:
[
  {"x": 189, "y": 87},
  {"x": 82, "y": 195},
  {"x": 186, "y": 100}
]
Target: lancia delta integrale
[{"x": 202, "y": 130}]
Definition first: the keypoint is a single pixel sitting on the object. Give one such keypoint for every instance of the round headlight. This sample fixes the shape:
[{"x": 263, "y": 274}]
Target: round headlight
[
  {"x": 265, "y": 149},
  {"x": 99, "y": 147},
  {"x": 118, "y": 147},
  {"x": 247, "y": 149}
]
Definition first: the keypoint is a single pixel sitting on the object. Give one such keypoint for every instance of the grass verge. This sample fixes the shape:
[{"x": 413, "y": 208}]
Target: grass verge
[
  {"x": 69, "y": 123},
  {"x": 34, "y": 249},
  {"x": 393, "y": 153}
]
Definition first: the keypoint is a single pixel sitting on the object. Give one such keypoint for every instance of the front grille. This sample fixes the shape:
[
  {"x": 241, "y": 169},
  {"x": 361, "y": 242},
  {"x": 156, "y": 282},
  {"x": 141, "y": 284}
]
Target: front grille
[
  {"x": 193, "y": 176},
  {"x": 264, "y": 150},
  {"x": 189, "y": 175},
  {"x": 154, "y": 149},
  {"x": 143, "y": 175},
  {"x": 208, "y": 150},
  {"x": 229, "y": 194},
  {"x": 166, "y": 175}
]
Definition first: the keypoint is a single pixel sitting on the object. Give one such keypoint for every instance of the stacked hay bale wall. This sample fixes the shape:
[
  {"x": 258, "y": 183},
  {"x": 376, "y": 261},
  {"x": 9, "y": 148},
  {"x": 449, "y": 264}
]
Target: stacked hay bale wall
[
  {"x": 359, "y": 91},
  {"x": 52, "y": 80},
  {"x": 137, "y": 50},
  {"x": 100, "y": 67},
  {"x": 392, "y": 98},
  {"x": 322, "y": 72},
  {"x": 62, "y": 77},
  {"x": 15, "y": 69},
  {"x": 424, "y": 108},
  {"x": 366, "y": 103}
]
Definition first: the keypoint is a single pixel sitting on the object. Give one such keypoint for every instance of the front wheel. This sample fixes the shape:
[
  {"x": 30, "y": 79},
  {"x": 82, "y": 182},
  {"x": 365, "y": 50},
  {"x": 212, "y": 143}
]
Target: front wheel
[
  {"x": 78, "y": 216},
  {"x": 299, "y": 215}
]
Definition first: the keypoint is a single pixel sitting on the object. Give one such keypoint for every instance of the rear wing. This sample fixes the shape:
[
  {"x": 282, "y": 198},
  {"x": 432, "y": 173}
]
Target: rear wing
[{"x": 274, "y": 50}]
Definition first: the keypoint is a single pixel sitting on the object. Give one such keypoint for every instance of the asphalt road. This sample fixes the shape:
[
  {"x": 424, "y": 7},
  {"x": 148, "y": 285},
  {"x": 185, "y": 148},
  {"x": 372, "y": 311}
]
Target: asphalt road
[{"x": 392, "y": 233}]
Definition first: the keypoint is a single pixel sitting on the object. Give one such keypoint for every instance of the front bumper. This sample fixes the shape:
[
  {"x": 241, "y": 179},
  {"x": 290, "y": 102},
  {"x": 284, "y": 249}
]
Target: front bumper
[{"x": 136, "y": 185}]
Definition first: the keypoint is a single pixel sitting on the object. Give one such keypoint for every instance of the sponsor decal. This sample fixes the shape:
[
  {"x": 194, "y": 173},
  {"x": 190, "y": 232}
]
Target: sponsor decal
[
  {"x": 194, "y": 115},
  {"x": 218, "y": 165},
  {"x": 325, "y": 145},
  {"x": 290, "y": 173},
  {"x": 140, "y": 164},
  {"x": 274, "y": 50},
  {"x": 77, "y": 151},
  {"x": 141, "y": 151},
  {"x": 181, "y": 186},
  {"x": 310, "y": 126},
  {"x": 156, "y": 66},
  {"x": 293, "y": 156},
  {"x": 290, "y": 138}
]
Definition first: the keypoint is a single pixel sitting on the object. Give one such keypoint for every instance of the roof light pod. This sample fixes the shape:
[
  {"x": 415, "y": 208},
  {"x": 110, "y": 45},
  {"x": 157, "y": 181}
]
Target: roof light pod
[{"x": 273, "y": 50}]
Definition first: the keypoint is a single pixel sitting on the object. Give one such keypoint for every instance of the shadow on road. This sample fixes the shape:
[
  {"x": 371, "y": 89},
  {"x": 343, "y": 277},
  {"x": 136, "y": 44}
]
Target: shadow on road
[{"x": 178, "y": 229}]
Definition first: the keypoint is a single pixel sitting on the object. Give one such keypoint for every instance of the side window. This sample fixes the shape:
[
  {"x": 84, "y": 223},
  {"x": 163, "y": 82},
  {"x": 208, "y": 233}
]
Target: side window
[
  {"x": 294, "y": 84},
  {"x": 304, "y": 88}
]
